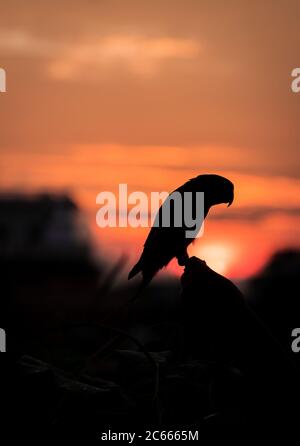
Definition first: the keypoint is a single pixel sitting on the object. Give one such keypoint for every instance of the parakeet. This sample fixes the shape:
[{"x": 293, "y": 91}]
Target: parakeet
[{"x": 165, "y": 243}]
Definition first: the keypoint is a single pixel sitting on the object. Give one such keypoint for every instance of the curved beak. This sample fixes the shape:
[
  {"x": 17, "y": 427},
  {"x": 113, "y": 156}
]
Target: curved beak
[{"x": 230, "y": 200}]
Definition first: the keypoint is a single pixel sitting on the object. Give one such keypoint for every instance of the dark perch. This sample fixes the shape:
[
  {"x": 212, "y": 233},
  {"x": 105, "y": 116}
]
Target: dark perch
[
  {"x": 212, "y": 311},
  {"x": 220, "y": 327}
]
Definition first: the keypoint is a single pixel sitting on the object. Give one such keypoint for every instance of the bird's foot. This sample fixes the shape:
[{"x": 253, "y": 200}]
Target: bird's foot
[{"x": 183, "y": 259}]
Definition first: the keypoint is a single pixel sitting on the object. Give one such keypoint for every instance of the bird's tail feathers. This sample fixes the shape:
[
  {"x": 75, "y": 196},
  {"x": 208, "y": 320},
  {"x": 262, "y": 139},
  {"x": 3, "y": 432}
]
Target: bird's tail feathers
[{"x": 135, "y": 270}]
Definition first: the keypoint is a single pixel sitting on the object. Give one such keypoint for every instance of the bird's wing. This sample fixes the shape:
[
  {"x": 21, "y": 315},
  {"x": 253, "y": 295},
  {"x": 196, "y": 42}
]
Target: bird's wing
[{"x": 162, "y": 245}]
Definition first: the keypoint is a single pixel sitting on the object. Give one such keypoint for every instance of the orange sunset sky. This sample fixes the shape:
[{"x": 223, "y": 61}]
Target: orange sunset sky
[{"x": 152, "y": 93}]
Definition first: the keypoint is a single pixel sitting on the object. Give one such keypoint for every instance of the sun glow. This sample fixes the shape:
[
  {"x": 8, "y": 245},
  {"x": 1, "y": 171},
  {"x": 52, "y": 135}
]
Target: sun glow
[{"x": 219, "y": 257}]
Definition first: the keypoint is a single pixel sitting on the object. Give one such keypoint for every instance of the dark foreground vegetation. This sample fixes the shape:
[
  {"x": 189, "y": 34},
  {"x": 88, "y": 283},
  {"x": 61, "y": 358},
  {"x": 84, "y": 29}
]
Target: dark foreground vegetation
[{"x": 195, "y": 354}]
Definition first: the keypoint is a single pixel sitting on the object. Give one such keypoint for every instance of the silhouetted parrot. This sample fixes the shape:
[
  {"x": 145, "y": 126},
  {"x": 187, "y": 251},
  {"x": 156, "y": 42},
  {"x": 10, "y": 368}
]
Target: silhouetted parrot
[{"x": 165, "y": 243}]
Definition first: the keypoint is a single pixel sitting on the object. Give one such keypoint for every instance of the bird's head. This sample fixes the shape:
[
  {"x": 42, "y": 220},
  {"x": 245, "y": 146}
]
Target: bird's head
[{"x": 217, "y": 189}]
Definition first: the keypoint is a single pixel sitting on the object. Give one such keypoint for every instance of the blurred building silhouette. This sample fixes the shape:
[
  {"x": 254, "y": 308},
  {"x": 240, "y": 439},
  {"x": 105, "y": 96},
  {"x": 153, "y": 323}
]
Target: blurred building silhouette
[
  {"x": 48, "y": 271},
  {"x": 42, "y": 227}
]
